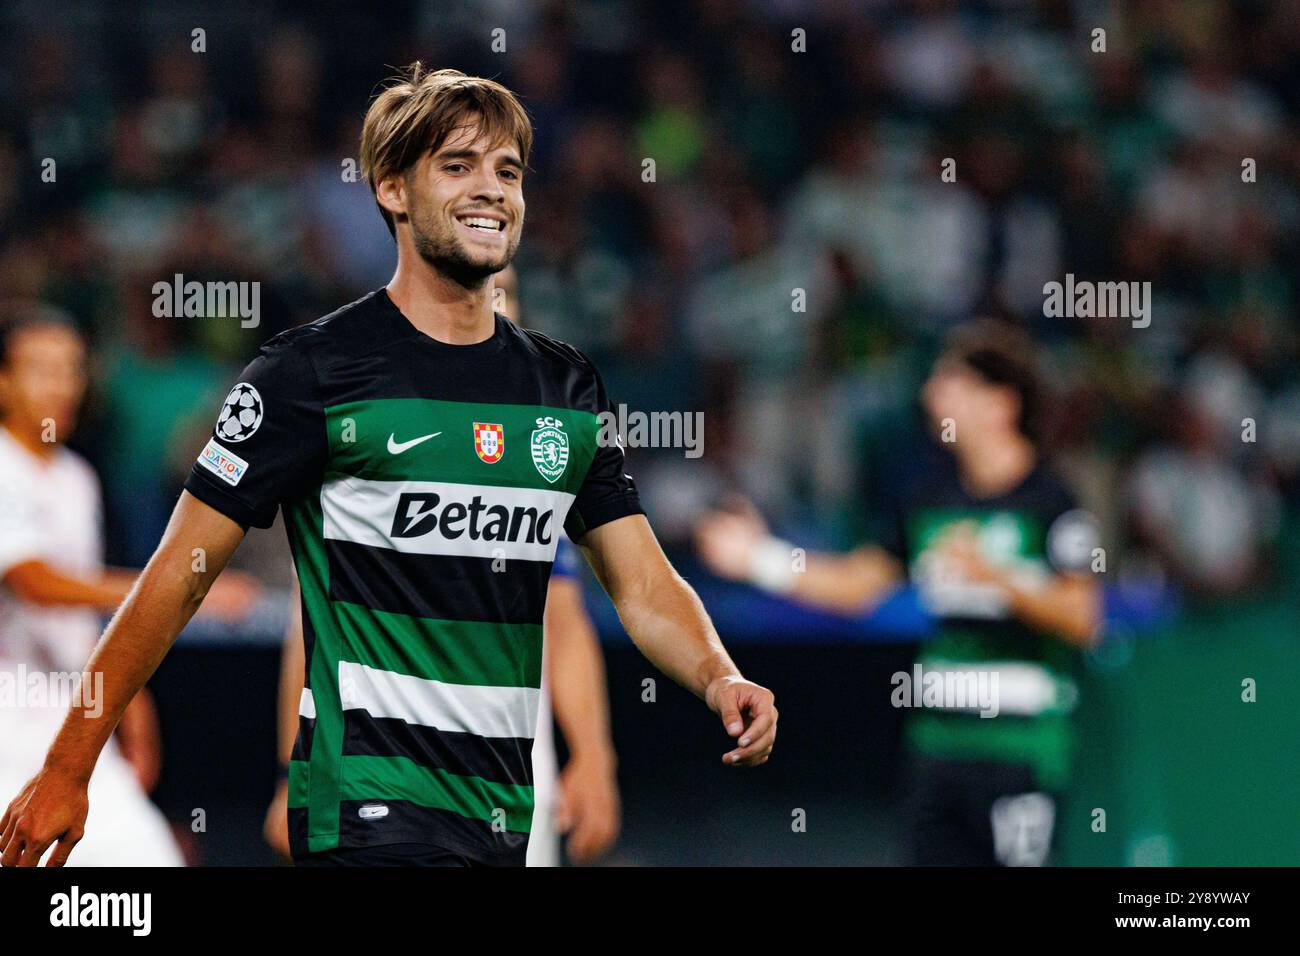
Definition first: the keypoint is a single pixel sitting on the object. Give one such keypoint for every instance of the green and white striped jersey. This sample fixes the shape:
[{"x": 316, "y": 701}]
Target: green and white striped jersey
[
  {"x": 424, "y": 487},
  {"x": 1031, "y": 531}
]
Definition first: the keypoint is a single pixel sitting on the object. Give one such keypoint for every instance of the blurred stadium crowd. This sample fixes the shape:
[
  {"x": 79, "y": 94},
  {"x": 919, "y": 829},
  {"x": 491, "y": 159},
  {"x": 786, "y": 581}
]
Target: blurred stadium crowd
[{"x": 774, "y": 171}]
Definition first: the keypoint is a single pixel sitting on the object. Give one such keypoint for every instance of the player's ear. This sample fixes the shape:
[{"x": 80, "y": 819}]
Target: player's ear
[{"x": 390, "y": 193}]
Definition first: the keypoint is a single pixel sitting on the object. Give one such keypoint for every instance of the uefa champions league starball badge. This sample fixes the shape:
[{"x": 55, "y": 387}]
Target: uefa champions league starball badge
[{"x": 241, "y": 415}]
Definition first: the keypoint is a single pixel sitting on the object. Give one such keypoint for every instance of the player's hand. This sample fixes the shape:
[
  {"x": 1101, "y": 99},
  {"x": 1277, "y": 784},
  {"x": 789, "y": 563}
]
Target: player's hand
[
  {"x": 51, "y": 808},
  {"x": 961, "y": 556},
  {"x": 275, "y": 830},
  {"x": 727, "y": 539},
  {"x": 748, "y": 711},
  {"x": 232, "y": 597},
  {"x": 587, "y": 807}
]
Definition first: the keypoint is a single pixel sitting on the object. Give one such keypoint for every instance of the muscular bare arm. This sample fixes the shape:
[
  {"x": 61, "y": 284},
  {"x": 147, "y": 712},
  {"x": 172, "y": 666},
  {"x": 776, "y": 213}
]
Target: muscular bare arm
[{"x": 668, "y": 623}]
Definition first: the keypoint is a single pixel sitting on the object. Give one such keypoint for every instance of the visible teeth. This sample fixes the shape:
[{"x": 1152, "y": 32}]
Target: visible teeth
[{"x": 481, "y": 223}]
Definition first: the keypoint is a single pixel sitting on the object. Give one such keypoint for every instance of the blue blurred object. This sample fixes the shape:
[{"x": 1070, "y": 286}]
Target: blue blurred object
[{"x": 743, "y": 614}]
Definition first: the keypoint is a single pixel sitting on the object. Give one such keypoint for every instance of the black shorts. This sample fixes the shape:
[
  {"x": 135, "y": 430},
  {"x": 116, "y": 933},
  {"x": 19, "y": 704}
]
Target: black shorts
[
  {"x": 977, "y": 813},
  {"x": 390, "y": 854}
]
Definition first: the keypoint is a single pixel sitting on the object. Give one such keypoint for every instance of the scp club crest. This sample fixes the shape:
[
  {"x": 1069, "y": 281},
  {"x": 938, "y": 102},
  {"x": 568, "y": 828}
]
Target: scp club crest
[
  {"x": 489, "y": 441},
  {"x": 550, "y": 448}
]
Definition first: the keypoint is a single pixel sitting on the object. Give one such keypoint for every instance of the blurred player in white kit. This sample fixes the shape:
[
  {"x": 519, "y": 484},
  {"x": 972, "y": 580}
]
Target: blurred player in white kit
[{"x": 54, "y": 590}]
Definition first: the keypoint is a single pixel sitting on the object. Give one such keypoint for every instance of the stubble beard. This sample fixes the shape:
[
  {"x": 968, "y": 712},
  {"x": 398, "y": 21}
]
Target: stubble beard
[{"x": 442, "y": 249}]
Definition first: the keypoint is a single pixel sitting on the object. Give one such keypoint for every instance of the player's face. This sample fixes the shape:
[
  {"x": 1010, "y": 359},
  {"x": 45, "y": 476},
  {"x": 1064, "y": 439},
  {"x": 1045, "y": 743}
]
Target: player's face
[
  {"x": 468, "y": 180},
  {"x": 44, "y": 379},
  {"x": 956, "y": 391}
]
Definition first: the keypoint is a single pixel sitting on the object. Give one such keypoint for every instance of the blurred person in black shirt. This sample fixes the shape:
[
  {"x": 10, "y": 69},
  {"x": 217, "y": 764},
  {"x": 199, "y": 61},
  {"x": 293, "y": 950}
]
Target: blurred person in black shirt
[{"x": 1001, "y": 555}]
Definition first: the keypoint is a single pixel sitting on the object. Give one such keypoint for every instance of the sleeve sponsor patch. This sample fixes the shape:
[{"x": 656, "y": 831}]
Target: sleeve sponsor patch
[{"x": 223, "y": 462}]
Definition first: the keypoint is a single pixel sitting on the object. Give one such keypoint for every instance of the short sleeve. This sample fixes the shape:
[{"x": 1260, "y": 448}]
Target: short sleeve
[
  {"x": 269, "y": 441},
  {"x": 607, "y": 492}
]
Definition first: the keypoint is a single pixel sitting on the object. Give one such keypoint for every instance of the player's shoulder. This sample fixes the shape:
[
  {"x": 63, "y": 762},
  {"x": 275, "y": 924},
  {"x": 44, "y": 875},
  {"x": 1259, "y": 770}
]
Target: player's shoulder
[
  {"x": 16, "y": 465},
  {"x": 347, "y": 331},
  {"x": 79, "y": 470},
  {"x": 550, "y": 349}
]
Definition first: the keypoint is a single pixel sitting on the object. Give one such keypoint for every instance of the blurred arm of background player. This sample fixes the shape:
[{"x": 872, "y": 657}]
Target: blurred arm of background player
[
  {"x": 37, "y": 583},
  {"x": 588, "y": 803},
  {"x": 588, "y": 809},
  {"x": 52, "y": 807},
  {"x": 137, "y": 734},
  {"x": 293, "y": 672},
  {"x": 736, "y": 544}
]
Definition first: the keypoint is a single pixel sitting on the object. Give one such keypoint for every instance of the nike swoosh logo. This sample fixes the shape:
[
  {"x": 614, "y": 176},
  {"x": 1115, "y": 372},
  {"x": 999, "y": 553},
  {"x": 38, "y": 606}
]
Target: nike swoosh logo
[{"x": 396, "y": 447}]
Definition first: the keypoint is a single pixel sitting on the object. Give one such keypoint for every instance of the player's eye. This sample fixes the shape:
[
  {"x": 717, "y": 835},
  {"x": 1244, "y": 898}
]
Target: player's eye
[{"x": 511, "y": 173}]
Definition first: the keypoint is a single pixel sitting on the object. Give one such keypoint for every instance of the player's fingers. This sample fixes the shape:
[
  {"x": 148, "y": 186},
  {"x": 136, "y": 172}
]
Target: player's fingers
[
  {"x": 581, "y": 843},
  {"x": 753, "y": 759},
  {"x": 7, "y": 826},
  {"x": 15, "y": 841},
  {"x": 758, "y": 727},
  {"x": 581, "y": 825},
  {"x": 760, "y": 743},
  {"x": 33, "y": 850},
  {"x": 591, "y": 838},
  {"x": 64, "y": 847},
  {"x": 11, "y": 850},
  {"x": 729, "y": 711},
  {"x": 742, "y": 756}
]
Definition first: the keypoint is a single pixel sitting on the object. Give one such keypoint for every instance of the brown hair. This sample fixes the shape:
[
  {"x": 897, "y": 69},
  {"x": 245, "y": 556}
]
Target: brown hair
[
  {"x": 419, "y": 109},
  {"x": 1002, "y": 354},
  {"x": 21, "y": 315}
]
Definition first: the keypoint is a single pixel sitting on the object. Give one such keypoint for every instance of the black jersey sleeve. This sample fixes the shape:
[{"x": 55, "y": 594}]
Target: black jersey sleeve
[
  {"x": 607, "y": 492},
  {"x": 269, "y": 442}
]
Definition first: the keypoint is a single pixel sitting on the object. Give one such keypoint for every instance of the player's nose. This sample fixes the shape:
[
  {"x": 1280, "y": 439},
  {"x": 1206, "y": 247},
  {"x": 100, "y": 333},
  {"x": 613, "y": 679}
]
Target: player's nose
[{"x": 487, "y": 186}]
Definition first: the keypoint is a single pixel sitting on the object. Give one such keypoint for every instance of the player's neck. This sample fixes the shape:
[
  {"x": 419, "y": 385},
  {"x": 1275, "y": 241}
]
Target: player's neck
[
  {"x": 440, "y": 307},
  {"x": 995, "y": 467},
  {"x": 30, "y": 439}
]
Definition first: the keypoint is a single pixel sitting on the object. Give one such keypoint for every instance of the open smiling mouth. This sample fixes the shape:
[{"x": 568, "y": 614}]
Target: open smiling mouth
[{"x": 483, "y": 226}]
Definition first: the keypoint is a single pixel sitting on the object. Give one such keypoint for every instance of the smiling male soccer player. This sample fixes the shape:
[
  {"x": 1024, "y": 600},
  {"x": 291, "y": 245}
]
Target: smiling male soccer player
[{"x": 425, "y": 453}]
